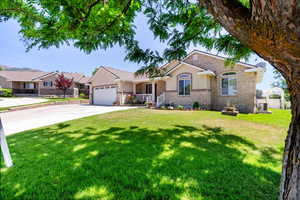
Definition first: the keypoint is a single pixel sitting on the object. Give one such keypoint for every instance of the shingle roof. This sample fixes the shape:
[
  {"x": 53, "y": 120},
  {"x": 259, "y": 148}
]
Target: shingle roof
[
  {"x": 21, "y": 75},
  {"x": 37, "y": 76},
  {"x": 76, "y": 76},
  {"x": 84, "y": 80},
  {"x": 124, "y": 75}
]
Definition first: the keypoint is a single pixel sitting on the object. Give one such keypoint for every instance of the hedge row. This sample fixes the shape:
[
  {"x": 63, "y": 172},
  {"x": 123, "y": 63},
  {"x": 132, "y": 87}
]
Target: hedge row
[{"x": 5, "y": 92}]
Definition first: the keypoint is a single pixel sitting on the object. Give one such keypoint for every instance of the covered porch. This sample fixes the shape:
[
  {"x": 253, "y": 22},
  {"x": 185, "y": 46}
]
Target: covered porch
[
  {"x": 150, "y": 91},
  {"x": 21, "y": 88}
]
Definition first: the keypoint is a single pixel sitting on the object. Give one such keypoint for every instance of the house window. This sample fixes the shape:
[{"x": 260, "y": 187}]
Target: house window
[
  {"x": 48, "y": 83},
  {"x": 184, "y": 84},
  {"x": 229, "y": 84},
  {"x": 29, "y": 85},
  {"x": 148, "y": 88}
]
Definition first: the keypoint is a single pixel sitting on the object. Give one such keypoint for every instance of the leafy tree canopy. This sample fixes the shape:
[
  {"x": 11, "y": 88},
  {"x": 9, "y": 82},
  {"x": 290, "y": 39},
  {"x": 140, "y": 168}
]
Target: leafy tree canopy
[
  {"x": 100, "y": 24},
  {"x": 281, "y": 83}
]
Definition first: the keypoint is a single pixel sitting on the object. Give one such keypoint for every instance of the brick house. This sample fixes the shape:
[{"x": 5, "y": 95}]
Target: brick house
[
  {"x": 199, "y": 77},
  {"x": 29, "y": 83}
]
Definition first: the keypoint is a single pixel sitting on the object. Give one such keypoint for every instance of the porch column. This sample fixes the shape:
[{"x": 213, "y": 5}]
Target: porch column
[
  {"x": 153, "y": 91},
  {"x": 134, "y": 88}
]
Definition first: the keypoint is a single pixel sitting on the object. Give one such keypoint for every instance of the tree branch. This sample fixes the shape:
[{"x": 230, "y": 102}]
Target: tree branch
[
  {"x": 123, "y": 12},
  {"x": 90, "y": 7},
  {"x": 232, "y": 15}
]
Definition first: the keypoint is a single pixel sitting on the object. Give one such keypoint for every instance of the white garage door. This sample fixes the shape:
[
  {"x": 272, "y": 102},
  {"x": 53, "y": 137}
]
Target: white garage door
[{"x": 105, "y": 96}]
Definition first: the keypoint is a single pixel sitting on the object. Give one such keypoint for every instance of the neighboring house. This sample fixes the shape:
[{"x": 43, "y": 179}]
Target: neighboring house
[
  {"x": 199, "y": 77},
  {"x": 28, "y": 83},
  {"x": 274, "y": 98}
]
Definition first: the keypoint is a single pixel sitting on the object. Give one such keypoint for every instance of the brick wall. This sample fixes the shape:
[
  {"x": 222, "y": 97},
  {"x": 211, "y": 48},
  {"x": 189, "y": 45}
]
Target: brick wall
[
  {"x": 55, "y": 92},
  {"x": 246, "y": 83},
  {"x": 201, "y": 96}
]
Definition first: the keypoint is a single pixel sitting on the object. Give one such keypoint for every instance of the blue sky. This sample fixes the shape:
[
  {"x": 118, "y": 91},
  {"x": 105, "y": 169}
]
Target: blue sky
[{"x": 70, "y": 59}]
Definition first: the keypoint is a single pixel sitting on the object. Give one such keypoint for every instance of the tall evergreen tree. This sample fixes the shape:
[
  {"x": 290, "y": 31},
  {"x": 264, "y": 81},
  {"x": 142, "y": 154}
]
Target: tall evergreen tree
[{"x": 270, "y": 28}]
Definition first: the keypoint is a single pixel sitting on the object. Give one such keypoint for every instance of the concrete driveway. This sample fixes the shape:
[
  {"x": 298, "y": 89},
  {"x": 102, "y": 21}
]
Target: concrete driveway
[
  {"x": 22, "y": 120},
  {"x": 8, "y": 102}
]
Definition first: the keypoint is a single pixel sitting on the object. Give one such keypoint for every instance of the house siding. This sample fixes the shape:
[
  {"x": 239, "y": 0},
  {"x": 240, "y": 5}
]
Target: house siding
[
  {"x": 246, "y": 83},
  {"x": 141, "y": 88},
  {"x": 4, "y": 83},
  {"x": 103, "y": 77},
  {"x": 198, "y": 81},
  {"x": 203, "y": 97},
  {"x": 126, "y": 87},
  {"x": 161, "y": 87},
  {"x": 51, "y": 78},
  {"x": 200, "y": 91},
  {"x": 53, "y": 91},
  {"x": 205, "y": 89}
]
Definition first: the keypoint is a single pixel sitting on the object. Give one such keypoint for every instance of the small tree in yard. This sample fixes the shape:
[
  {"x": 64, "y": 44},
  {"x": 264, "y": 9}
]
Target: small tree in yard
[{"x": 63, "y": 83}]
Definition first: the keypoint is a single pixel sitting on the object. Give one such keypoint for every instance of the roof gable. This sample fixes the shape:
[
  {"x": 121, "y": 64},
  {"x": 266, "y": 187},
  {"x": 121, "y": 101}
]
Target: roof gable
[
  {"x": 247, "y": 65},
  {"x": 75, "y": 76},
  {"x": 180, "y": 64},
  {"x": 21, "y": 75}
]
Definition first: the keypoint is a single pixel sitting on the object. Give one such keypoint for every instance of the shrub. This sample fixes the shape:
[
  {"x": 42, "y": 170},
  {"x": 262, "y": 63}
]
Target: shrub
[
  {"x": 163, "y": 107},
  {"x": 180, "y": 107},
  {"x": 5, "y": 92},
  {"x": 82, "y": 95},
  {"x": 131, "y": 99},
  {"x": 149, "y": 104},
  {"x": 275, "y": 96},
  {"x": 196, "y": 105}
]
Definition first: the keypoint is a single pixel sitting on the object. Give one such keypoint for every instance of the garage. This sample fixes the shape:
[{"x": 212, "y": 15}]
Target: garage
[{"x": 105, "y": 95}]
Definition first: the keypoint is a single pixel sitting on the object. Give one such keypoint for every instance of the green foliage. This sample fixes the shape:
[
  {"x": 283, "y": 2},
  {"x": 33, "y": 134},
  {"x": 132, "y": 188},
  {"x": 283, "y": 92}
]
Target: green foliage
[
  {"x": 191, "y": 155},
  {"x": 95, "y": 24},
  {"x": 275, "y": 96},
  {"x": 163, "y": 107},
  {"x": 196, "y": 105},
  {"x": 132, "y": 99},
  {"x": 281, "y": 83},
  {"x": 259, "y": 94},
  {"x": 6, "y": 92},
  {"x": 95, "y": 70},
  {"x": 246, "y": 3},
  {"x": 180, "y": 107}
]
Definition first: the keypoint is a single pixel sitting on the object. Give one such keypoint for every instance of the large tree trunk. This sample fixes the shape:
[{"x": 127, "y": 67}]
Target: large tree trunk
[
  {"x": 290, "y": 180},
  {"x": 272, "y": 30}
]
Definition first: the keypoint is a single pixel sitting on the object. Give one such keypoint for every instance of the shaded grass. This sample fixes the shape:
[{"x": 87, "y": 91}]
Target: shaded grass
[{"x": 145, "y": 154}]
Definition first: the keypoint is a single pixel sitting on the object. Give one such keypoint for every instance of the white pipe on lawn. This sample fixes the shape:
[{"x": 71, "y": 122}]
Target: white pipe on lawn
[{"x": 4, "y": 147}]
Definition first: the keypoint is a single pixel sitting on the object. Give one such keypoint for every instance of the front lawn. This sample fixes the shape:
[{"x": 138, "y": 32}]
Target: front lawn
[
  {"x": 149, "y": 154},
  {"x": 65, "y": 99}
]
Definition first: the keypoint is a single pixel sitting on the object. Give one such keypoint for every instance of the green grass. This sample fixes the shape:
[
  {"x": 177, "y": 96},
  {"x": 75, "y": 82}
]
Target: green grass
[
  {"x": 65, "y": 99},
  {"x": 149, "y": 154}
]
